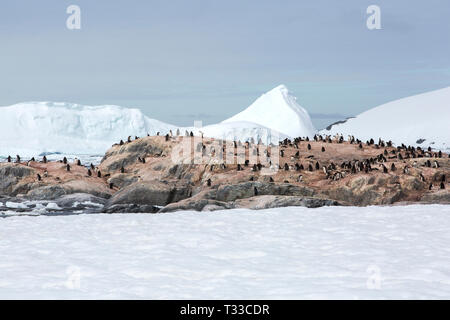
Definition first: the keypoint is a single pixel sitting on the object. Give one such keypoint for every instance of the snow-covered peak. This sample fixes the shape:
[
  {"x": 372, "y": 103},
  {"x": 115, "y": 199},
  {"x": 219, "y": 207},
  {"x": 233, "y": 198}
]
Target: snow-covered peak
[
  {"x": 278, "y": 110},
  {"x": 421, "y": 120}
]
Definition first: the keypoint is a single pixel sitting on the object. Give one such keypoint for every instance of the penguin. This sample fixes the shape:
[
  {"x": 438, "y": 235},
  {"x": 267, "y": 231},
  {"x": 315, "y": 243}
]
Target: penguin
[
  {"x": 251, "y": 179},
  {"x": 393, "y": 168},
  {"x": 143, "y": 160},
  {"x": 191, "y": 134},
  {"x": 92, "y": 167},
  {"x": 46, "y": 173},
  {"x": 121, "y": 142},
  {"x": 323, "y": 149},
  {"x": 89, "y": 172},
  {"x": 406, "y": 170},
  {"x": 310, "y": 168},
  {"x": 282, "y": 153},
  {"x": 99, "y": 174},
  {"x": 178, "y": 132},
  {"x": 286, "y": 167},
  {"x": 317, "y": 165},
  {"x": 442, "y": 186},
  {"x": 385, "y": 170},
  {"x": 422, "y": 178},
  {"x": 297, "y": 167},
  {"x": 17, "y": 158},
  {"x": 33, "y": 160},
  {"x": 129, "y": 139},
  {"x": 65, "y": 160},
  {"x": 259, "y": 165},
  {"x": 255, "y": 191},
  {"x": 239, "y": 168},
  {"x": 246, "y": 163},
  {"x": 400, "y": 157},
  {"x": 309, "y": 146},
  {"x": 254, "y": 167},
  {"x": 68, "y": 167},
  {"x": 78, "y": 162},
  {"x": 435, "y": 164},
  {"x": 9, "y": 158},
  {"x": 44, "y": 159},
  {"x": 39, "y": 177},
  {"x": 271, "y": 179},
  {"x": 300, "y": 178},
  {"x": 208, "y": 182},
  {"x": 111, "y": 185},
  {"x": 443, "y": 178},
  {"x": 122, "y": 170},
  {"x": 167, "y": 137},
  {"x": 360, "y": 145},
  {"x": 430, "y": 186}
]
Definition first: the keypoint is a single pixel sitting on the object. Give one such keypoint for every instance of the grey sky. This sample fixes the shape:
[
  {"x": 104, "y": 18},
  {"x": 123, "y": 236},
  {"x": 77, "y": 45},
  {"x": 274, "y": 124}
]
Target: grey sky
[{"x": 205, "y": 59}]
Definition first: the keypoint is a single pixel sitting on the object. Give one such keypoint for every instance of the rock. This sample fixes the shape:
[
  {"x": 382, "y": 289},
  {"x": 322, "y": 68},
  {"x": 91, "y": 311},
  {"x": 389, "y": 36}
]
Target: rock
[
  {"x": 12, "y": 179},
  {"x": 77, "y": 199},
  {"x": 441, "y": 196},
  {"x": 131, "y": 208},
  {"x": 150, "y": 193},
  {"x": 233, "y": 192},
  {"x": 197, "y": 205},
  {"x": 270, "y": 201},
  {"x": 75, "y": 186}
]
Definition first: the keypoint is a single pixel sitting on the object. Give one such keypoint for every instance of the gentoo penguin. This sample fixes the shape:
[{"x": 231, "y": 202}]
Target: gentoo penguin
[
  {"x": 122, "y": 170},
  {"x": 39, "y": 177},
  {"x": 310, "y": 168},
  {"x": 246, "y": 163},
  {"x": 9, "y": 158},
  {"x": 317, "y": 165},
  {"x": 111, "y": 185},
  {"x": 422, "y": 178},
  {"x": 270, "y": 179},
  {"x": 208, "y": 182},
  {"x": 143, "y": 160},
  {"x": 129, "y": 139},
  {"x": 300, "y": 178},
  {"x": 282, "y": 153},
  {"x": 17, "y": 158},
  {"x": 430, "y": 186},
  {"x": 44, "y": 159},
  {"x": 78, "y": 162},
  {"x": 33, "y": 160},
  {"x": 65, "y": 160},
  {"x": 385, "y": 170},
  {"x": 443, "y": 178},
  {"x": 286, "y": 167},
  {"x": 99, "y": 174},
  {"x": 46, "y": 173},
  {"x": 406, "y": 170},
  {"x": 393, "y": 168},
  {"x": 239, "y": 168},
  {"x": 251, "y": 179},
  {"x": 89, "y": 172},
  {"x": 309, "y": 146},
  {"x": 360, "y": 145},
  {"x": 255, "y": 191},
  {"x": 68, "y": 167},
  {"x": 435, "y": 164},
  {"x": 191, "y": 134},
  {"x": 442, "y": 185},
  {"x": 167, "y": 137},
  {"x": 254, "y": 167},
  {"x": 121, "y": 142},
  {"x": 92, "y": 167},
  {"x": 323, "y": 149}
]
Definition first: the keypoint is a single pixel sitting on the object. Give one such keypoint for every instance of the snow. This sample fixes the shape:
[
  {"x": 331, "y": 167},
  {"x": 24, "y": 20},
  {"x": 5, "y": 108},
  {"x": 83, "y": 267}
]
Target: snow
[
  {"x": 278, "y": 110},
  {"x": 59, "y": 129},
  {"x": 424, "y": 116},
  {"x": 32, "y": 128},
  {"x": 396, "y": 252}
]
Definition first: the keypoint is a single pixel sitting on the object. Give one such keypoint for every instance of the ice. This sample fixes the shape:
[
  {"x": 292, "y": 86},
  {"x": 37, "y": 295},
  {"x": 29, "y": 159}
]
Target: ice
[
  {"x": 398, "y": 252},
  {"x": 420, "y": 120}
]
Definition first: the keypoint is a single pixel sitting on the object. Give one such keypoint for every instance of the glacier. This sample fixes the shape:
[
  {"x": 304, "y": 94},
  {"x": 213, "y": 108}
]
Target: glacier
[
  {"x": 35, "y": 128},
  {"x": 419, "y": 120}
]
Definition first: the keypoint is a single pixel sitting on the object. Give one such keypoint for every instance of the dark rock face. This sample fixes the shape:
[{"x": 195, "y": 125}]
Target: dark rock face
[
  {"x": 150, "y": 193},
  {"x": 197, "y": 205},
  {"x": 75, "y": 199},
  {"x": 10, "y": 179},
  {"x": 270, "y": 201},
  {"x": 247, "y": 189},
  {"x": 130, "y": 208}
]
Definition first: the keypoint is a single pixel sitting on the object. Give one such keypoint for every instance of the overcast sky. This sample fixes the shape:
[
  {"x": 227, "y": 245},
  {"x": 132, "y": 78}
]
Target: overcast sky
[{"x": 187, "y": 60}]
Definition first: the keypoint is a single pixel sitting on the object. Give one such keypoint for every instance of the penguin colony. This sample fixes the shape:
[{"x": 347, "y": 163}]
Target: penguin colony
[{"x": 298, "y": 159}]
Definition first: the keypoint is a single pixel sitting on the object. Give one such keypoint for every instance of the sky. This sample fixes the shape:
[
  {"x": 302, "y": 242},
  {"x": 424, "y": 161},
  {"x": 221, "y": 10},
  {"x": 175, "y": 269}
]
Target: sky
[{"x": 187, "y": 60}]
